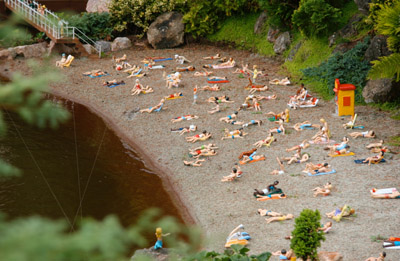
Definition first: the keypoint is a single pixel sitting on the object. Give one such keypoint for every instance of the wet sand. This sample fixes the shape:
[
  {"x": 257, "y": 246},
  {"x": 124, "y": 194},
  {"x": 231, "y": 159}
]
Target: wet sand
[{"x": 218, "y": 207}]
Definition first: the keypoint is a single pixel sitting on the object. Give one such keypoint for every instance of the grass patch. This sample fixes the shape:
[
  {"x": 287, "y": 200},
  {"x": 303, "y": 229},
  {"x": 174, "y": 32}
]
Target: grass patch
[
  {"x": 377, "y": 238},
  {"x": 348, "y": 11},
  {"x": 393, "y": 107},
  {"x": 240, "y": 30},
  {"x": 394, "y": 141}
]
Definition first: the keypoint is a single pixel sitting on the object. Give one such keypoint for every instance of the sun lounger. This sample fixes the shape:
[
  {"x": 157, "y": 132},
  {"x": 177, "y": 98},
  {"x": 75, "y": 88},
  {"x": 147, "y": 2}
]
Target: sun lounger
[{"x": 68, "y": 62}]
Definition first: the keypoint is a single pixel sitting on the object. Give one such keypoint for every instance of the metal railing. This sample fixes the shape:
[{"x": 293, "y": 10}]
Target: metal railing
[{"x": 50, "y": 22}]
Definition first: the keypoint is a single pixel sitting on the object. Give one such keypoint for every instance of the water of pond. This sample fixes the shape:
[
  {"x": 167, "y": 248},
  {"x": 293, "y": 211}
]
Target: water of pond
[{"x": 83, "y": 159}]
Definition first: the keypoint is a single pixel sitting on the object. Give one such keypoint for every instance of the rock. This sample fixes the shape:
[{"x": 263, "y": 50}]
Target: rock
[
  {"x": 329, "y": 256},
  {"x": 166, "y": 31},
  {"x": 363, "y": 6},
  {"x": 350, "y": 28},
  {"x": 98, "y": 6},
  {"x": 293, "y": 52},
  {"x": 33, "y": 50},
  {"x": 272, "y": 34},
  {"x": 159, "y": 254},
  {"x": 377, "y": 48},
  {"x": 282, "y": 43},
  {"x": 88, "y": 48},
  {"x": 381, "y": 90},
  {"x": 259, "y": 25},
  {"x": 105, "y": 46},
  {"x": 121, "y": 43},
  {"x": 344, "y": 47},
  {"x": 9, "y": 53}
]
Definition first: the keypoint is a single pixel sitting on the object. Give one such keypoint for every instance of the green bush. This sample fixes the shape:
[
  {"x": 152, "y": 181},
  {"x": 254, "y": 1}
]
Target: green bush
[
  {"x": 137, "y": 15},
  {"x": 349, "y": 67},
  {"x": 205, "y": 17},
  {"x": 374, "y": 8},
  {"x": 306, "y": 237},
  {"x": 96, "y": 26},
  {"x": 279, "y": 12},
  {"x": 316, "y": 18},
  {"x": 388, "y": 23},
  {"x": 237, "y": 252},
  {"x": 17, "y": 37}
]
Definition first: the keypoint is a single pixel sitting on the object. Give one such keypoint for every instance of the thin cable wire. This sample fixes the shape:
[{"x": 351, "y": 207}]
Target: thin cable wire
[
  {"x": 90, "y": 175},
  {"x": 40, "y": 171},
  {"x": 76, "y": 155}
]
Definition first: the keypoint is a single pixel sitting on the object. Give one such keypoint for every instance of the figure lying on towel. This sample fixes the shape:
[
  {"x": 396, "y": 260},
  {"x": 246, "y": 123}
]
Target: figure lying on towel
[
  {"x": 271, "y": 189},
  {"x": 385, "y": 193},
  {"x": 284, "y": 81},
  {"x": 337, "y": 214}
]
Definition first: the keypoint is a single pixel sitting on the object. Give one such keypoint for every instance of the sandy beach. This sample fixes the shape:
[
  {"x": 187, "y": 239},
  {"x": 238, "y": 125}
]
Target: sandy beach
[{"x": 217, "y": 207}]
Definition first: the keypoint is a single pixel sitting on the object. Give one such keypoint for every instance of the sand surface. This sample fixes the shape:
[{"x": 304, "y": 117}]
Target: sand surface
[{"x": 218, "y": 207}]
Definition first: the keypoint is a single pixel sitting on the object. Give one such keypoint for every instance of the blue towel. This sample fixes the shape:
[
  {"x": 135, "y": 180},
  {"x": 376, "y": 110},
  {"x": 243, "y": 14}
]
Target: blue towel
[
  {"x": 91, "y": 76},
  {"x": 115, "y": 85},
  {"x": 164, "y": 59},
  {"x": 360, "y": 161},
  {"x": 322, "y": 173},
  {"x": 159, "y": 109}
]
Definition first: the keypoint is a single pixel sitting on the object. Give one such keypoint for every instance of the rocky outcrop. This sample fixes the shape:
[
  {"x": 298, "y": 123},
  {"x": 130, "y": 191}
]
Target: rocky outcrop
[
  {"x": 381, "y": 90},
  {"x": 159, "y": 254},
  {"x": 350, "y": 28},
  {"x": 377, "y": 48},
  {"x": 8, "y": 54},
  {"x": 293, "y": 52},
  {"x": 27, "y": 51},
  {"x": 98, "y": 6},
  {"x": 282, "y": 43},
  {"x": 344, "y": 47},
  {"x": 166, "y": 31},
  {"x": 121, "y": 43},
  {"x": 363, "y": 5},
  {"x": 329, "y": 256},
  {"x": 272, "y": 34},
  {"x": 105, "y": 46},
  {"x": 88, "y": 48},
  {"x": 259, "y": 25}
]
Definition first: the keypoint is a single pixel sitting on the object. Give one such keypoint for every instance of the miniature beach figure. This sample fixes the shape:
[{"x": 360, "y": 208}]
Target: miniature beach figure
[
  {"x": 235, "y": 237},
  {"x": 265, "y": 142},
  {"x": 247, "y": 153},
  {"x": 230, "y": 63},
  {"x": 120, "y": 59},
  {"x": 181, "y": 59},
  {"x": 217, "y": 56},
  {"x": 210, "y": 146},
  {"x": 380, "y": 258},
  {"x": 375, "y": 145},
  {"x": 340, "y": 212},
  {"x": 138, "y": 89},
  {"x": 375, "y": 159},
  {"x": 283, "y": 254},
  {"x": 174, "y": 96},
  {"x": 341, "y": 148},
  {"x": 269, "y": 97},
  {"x": 325, "y": 127},
  {"x": 173, "y": 80},
  {"x": 394, "y": 194},
  {"x": 256, "y": 105},
  {"x": 255, "y": 73},
  {"x": 203, "y": 136},
  {"x": 324, "y": 191},
  {"x": 365, "y": 134},
  {"x": 204, "y": 153},
  {"x": 270, "y": 188},
  {"x": 215, "y": 109},
  {"x": 321, "y": 136},
  {"x": 184, "y": 118},
  {"x": 229, "y": 117},
  {"x": 283, "y": 115},
  {"x": 205, "y": 73},
  {"x": 252, "y": 122},
  {"x": 234, "y": 134},
  {"x": 297, "y": 157},
  {"x": 196, "y": 163},
  {"x": 236, "y": 173},
  {"x": 95, "y": 73},
  {"x": 281, "y": 169},
  {"x": 279, "y": 129},
  {"x": 281, "y": 218},
  {"x": 156, "y": 108},
  {"x": 65, "y": 62},
  {"x": 159, "y": 235},
  {"x": 217, "y": 78},
  {"x": 284, "y": 81},
  {"x": 184, "y": 130},
  {"x": 122, "y": 65},
  {"x": 214, "y": 88},
  {"x": 265, "y": 212},
  {"x": 62, "y": 61},
  {"x": 113, "y": 82},
  {"x": 244, "y": 70},
  {"x": 305, "y": 125},
  {"x": 253, "y": 156},
  {"x": 221, "y": 99},
  {"x": 303, "y": 145},
  {"x": 195, "y": 95},
  {"x": 185, "y": 69},
  {"x": 317, "y": 168}
]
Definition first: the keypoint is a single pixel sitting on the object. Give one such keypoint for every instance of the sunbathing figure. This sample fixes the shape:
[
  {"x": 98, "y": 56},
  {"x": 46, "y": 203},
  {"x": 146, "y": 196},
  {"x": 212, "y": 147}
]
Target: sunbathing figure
[
  {"x": 325, "y": 127},
  {"x": 252, "y": 157},
  {"x": 340, "y": 212},
  {"x": 236, "y": 173},
  {"x": 279, "y": 129},
  {"x": 281, "y": 169},
  {"x": 205, "y": 153},
  {"x": 305, "y": 125},
  {"x": 256, "y": 105},
  {"x": 375, "y": 145},
  {"x": 281, "y": 218},
  {"x": 183, "y": 118},
  {"x": 122, "y": 65},
  {"x": 321, "y": 136},
  {"x": 252, "y": 122},
  {"x": 174, "y": 96},
  {"x": 269, "y": 97},
  {"x": 61, "y": 62},
  {"x": 376, "y": 158},
  {"x": 221, "y": 99},
  {"x": 230, "y": 62},
  {"x": 113, "y": 82},
  {"x": 235, "y": 122},
  {"x": 203, "y": 136},
  {"x": 325, "y": 190},
  {"x": 394, "y": 194},
  {"x": 118, "y": 60},
  {"x": 380, "y": 258},
  {"x": 210, "y": 146},
  {"x": 229, "y": 117},
  {"x": 303, "y": 145},
  {"x": 184, "y": 130},
  {"x": 266, "y": 142},
  {"x": 283, "y": 115},
  {"x": 172, "y": 80},
  {"x": 247, "y": 153},
  {"x": 258, "y": 89},
  {"x": 341, "y": 148},
  {"x": 326, "y": 228},
  {"x": 215, "y": 109},
  {"x": 244, "y": 70},
  {"x": 365, "y": 134},
  {"x": 205, "y": 73},
  {"x": 284, "y": 81},
  {"x": 138, "y": 89},
  {"x": 264, "y": 212},
  {"x": 94, "y": 73},
  {"x": 196, "y": 163},
  {"x": 185, "y": 69},
  {"x": 270, "y": 188},
  {"x": 181, "y": 59},
  {"x": 156, "y": 108},
  {"x": 217, "y": 56},
  {"x": 214, "y": 88},
  {"x": 217, "y": 78},
  {"x": 297, "y": 157},
  {"x": 283, "y": 254},
  {"x": 234, "y": 134},
  {"x": 318, "y": 168}
]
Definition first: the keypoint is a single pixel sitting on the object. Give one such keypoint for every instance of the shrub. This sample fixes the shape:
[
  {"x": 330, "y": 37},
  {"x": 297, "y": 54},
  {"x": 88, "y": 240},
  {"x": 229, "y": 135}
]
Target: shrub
[
  {"x": 136, "y": 15},
  {"x": 205, "y": 17},
  {"x": 348, "y": 67},
  {"x": 316, "y": 18},
  {"x": 374, "y": 8},
  {"x": 306, "y": 237},
  {"x": 237, "y": 252},
  {"x": 17, "y": 37},
  {"x": 388, "y": 23},
  {"x": 279, "y": 12}
]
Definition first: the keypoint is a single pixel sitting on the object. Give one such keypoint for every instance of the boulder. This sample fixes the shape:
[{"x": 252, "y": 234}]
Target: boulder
[
  {"x": 120, "y": 43},
  {"x": 166, "y": 31},
  {"x": 381, "y": 90},
  {"x": 98, "y": 6},
  {"x": 8, "y": 53},
  {"x": 259, "y": 25},
  {"x": 33, "y": 50},
  {"x": 293, "y": 52},
  {"x": 350, "y": 28},
  {"x": 88, "y": 48},
  {"x": 363, "y": 6},
  {"x": 272, "y": 34},
  {"x": 159, "y": 254},
  {"x": 344, "y": 47},
  {"x": 377, "y": 48},
  {"x": 105, "y": 46},
  {"x": 282, "y": 43},
  {"x": 329, "y": 256}
]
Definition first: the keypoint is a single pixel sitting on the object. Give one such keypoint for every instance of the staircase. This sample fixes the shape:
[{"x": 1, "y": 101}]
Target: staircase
[{"x": 49, "y": 23}]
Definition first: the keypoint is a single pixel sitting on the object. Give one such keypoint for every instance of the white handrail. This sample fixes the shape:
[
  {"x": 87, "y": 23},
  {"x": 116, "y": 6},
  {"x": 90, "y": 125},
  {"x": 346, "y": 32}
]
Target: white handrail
[{"x": 50, "y": 22}]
